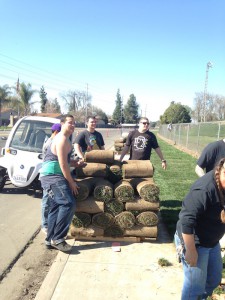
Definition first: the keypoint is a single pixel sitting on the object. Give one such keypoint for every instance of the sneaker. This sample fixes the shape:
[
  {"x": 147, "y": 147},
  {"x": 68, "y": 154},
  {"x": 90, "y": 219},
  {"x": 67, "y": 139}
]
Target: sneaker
[
  {"x": 49, "y": 247},
  {"x": 64, "y": 247}
]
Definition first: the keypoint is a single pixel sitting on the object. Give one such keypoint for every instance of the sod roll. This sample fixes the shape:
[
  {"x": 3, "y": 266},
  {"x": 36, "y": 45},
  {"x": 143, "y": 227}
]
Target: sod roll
[
  {"x": 141, "y": 205},
  {"x": 147, "y": 218},
  {"x": 120, "y": 140},
  {"x": 118, "y": 149},
  {"x": 90, "y": 206},
  {"x": 86, "y": 186},
  {"x": 137, "y": 168},
  {"x": 114, "y": 173},
  {"x": 91, "y": 170},
  {"x": 102, "y": 220},
  {"x": 119, "y": 145},
  {"x": 81, "y": 219},
  {"x": 114, "y": 231},
  {"x": 115, "y": 169},
  {"x": 125, "y": 219},
  {"x": 114, "y": 207},
  {"x": 148, "y": 191},
  {"x": 142, "y": 231},
  {"x": 89, "y": 231},
  {"x": 100, "y": 156},
  {"x": 124, "y": 191},
  {"x": 103, "y": 190}
]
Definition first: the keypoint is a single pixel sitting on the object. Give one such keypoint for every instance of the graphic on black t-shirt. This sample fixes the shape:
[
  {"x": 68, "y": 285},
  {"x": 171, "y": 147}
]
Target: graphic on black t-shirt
[
  {"x": 92, "y": 142},
  {"x": 140, "y": 143}
]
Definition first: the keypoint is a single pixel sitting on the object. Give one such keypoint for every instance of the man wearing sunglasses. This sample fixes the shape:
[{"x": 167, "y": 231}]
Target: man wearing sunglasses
[{"x": 141, "y": 142}]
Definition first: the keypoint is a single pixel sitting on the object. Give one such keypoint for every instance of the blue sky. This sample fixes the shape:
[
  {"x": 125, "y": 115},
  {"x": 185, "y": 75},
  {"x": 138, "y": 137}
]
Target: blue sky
[{"x": 156, "y": 50}]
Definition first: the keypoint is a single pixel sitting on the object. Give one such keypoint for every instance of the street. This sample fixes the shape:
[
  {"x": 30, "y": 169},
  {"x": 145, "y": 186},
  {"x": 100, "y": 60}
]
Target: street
[{"x": 20, "y": 216}]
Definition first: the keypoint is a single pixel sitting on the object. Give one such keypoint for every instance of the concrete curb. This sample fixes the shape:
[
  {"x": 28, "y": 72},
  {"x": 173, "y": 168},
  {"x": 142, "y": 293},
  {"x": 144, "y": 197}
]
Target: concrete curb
[{"x": 50, "y": 282}]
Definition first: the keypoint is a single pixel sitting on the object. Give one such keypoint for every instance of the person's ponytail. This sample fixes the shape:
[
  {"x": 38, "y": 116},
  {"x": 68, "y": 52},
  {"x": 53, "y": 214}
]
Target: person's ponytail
[{"x": 218, "y": 168}]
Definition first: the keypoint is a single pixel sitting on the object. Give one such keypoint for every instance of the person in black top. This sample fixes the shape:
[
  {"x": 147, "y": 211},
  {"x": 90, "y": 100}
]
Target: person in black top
[
  {"x": 89, "y": 139},
  {"x": 211, "y": 154},
  {"x": 200, "y": 227},
  {"x": 141, "y": 142}
]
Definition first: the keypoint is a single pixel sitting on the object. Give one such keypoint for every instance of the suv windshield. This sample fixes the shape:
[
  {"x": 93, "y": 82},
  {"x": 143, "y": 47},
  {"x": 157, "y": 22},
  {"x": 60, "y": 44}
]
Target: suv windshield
[{"x": 30, "y": 135}]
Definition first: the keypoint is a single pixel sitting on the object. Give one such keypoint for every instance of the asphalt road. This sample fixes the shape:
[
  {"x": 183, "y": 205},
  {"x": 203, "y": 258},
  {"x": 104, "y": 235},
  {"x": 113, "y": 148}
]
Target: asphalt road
[
  {"x": 20, "y": 213},
  {"x": 20, "y": 216}
]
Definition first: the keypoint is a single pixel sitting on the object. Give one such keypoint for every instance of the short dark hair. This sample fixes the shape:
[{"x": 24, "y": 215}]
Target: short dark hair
[
  {"x": 64, "y": 117},
  {"x": 90, "y": 117}
]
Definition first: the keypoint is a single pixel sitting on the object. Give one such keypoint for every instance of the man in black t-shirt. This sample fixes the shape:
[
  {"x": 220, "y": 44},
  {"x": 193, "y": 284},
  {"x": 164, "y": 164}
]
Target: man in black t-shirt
[
  {"x": 141, "y": 142},
  {"x": 211, "y": 154},
  {"x": 89, "y": 139}
]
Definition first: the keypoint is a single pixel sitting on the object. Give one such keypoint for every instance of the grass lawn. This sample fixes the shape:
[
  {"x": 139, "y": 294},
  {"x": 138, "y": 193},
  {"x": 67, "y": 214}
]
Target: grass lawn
[{"x": 174, "y": 183}]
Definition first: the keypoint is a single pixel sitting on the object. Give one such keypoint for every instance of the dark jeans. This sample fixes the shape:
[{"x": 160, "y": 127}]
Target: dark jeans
[
  {"x": 44, "y": 209},
  {"x": 62, "y": 209}
]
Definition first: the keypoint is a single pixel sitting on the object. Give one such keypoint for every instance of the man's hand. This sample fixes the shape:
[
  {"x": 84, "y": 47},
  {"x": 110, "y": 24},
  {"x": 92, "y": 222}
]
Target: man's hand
[
  {"x": 74, "y": 188},
  {"x": 79, "y": 163},
  {"x": 191, "y": 257},
  {"x": 164, "y": 165}
]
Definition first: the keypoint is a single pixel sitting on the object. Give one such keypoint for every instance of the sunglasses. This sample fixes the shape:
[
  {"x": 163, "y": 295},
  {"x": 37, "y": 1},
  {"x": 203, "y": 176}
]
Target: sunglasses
[{"x": 145, "y": 123}]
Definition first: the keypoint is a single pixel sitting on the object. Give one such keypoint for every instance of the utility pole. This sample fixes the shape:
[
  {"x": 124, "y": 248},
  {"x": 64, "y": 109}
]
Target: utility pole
[
  {"x": 17, "y": 91},
  {"x": 86, "y": 104},
  {"x": 209, "y": 65}
]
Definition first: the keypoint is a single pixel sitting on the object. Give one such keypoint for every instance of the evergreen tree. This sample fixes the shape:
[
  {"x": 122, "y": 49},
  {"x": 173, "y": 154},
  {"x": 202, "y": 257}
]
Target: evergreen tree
[
  {"x": 176, "y": 113},
  {"x": 43, "y": 96},
  {"x": 118, "y": 111},
  {"x": 131, "y": 110}
]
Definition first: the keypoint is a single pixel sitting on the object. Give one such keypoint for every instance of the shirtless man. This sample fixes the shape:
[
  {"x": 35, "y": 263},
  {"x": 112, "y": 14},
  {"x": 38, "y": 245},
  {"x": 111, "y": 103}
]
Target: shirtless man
[{"x": 56, "y": 178}]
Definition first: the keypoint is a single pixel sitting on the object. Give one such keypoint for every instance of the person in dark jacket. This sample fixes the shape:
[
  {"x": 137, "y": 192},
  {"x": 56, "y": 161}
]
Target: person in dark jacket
[
  {"x": 200, "y": 226},
  {"x": 210, "y": 155}
]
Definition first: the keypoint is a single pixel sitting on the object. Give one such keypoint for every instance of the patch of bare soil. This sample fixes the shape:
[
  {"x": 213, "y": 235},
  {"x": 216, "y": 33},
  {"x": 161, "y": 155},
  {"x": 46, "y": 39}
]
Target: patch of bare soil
[{"x": 25, "y": 278}]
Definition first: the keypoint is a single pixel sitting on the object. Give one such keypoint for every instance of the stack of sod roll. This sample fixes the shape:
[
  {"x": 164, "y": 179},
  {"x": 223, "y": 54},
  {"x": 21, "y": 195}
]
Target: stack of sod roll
[
  {"x": 115, "y": 199},
  {"x": 119, "y": 144}
]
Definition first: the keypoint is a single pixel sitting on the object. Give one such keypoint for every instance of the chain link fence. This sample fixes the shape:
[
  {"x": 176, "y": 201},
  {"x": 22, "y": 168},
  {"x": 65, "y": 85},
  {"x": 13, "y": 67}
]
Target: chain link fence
[{"x": 193, "y": 137}]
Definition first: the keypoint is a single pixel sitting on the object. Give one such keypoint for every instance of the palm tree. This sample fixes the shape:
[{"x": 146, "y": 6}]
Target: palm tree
[
  {"x": 4, "y": 96},
  {"x": 26, "y": 93}
]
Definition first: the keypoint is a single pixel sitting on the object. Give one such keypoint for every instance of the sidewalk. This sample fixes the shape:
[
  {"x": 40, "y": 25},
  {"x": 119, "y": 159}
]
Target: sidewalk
[{"x": 93, "y": 271}]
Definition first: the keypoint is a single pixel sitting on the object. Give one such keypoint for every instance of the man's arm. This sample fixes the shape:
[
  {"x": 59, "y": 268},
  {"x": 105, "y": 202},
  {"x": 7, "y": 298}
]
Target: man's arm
[
  {"x": 191, "y": 254},
  {"x": 78, "y": 150},
  {"x": 124, "y": 152},
  {"x": 62, "y": 153},
  {"x": 160, "y": 155},
  {"x": 199, "y": 171}
]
